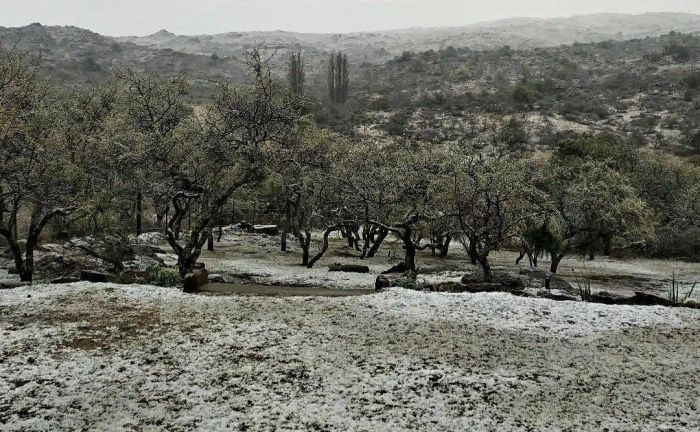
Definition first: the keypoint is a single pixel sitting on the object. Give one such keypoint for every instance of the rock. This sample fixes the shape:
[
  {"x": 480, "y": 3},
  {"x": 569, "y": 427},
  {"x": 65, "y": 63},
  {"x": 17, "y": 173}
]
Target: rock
[
  {"x": 245, "y": 226},
  {"x": 605, "y": 297},
  {"x": 557, "y": 295},
  {"x": 692, "y": 303},
  {"x": 271, "y": 230},
  {"x": 381, "y": 283},
  {"x": 195, "y": 281},
  {"x": 54, "y": 265},
  {"x": 447, "y": 287},
  {"x": 478, "y": 287},
  {"x": 499, "y": 282},
  {"x": 9, "y": 284},
  {"x": 65, "y": 280},
  {"x": 349, "y": 268},
  {"x": 151, "y": 238},
  {"x": 510, "y": 283},
  {"x": 645, "y": 299},
  {"x": 200, "y": 266},
  {"x": 534, "y": 273},
  {"x": 94, "y": 276},
  {"x": 131, "y": 276},
  {"x": 147, "y": 250},
  {"x": 216, "y": 278},
  {"x": 557, "y": 283},
  {"x": 398, "y": 268}
]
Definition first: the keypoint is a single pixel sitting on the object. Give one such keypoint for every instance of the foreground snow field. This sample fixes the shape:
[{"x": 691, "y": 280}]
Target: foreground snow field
[{"x": 110, "y": 357}]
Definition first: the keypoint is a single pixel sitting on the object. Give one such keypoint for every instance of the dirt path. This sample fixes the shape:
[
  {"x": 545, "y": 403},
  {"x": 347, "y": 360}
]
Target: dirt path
[{"x": 132, "y": 358}]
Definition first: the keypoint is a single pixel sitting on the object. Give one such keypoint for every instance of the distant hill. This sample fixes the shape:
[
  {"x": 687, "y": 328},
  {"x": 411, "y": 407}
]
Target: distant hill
[
  {"x": 77, "y": 55},
  {"x": 377, "y": 47}
]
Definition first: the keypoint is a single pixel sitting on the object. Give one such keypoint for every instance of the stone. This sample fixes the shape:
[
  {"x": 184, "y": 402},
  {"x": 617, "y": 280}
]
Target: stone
[
  {"x": 195, "y": 281},
  {"x": 398, "y": 268},
  {"x": 9, "y": 284},
  {"x": 271, "y": 230},
  {"x": 65, "y": 280},
  {"x": 557, "y": 295},
  {"x": 534, "y": 273},
  {"x": 479, "y": 287},
  {"x": 692, "y": 303},
  {"x": 605, "y": 297},
  {"x": 499, "y": 282},
  {"x": 146, "y": 250},
  {"x": 645, "y": 299},
  {"x": 349, "y": 268},
  {"x": 131, "y": 276},
  {"x": 94, "y": 276},
  {"x": 216, "y": 278},
  {"x": 447, "y": 287},
  {"x": 557, "y": 283},
  {"x": 381, "y": 283}
]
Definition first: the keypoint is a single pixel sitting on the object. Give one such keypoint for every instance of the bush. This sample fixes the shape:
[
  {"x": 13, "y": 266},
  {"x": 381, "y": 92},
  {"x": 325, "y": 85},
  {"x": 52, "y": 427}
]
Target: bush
[{"x": 161, "y": 276}]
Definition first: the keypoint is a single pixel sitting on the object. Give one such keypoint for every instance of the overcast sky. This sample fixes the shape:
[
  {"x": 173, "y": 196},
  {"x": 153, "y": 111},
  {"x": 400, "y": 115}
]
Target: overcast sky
[{"x": 141, "y": 17}]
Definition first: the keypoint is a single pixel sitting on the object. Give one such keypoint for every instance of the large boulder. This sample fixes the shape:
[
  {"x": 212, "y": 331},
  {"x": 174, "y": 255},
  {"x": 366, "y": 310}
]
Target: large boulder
[
  {"x": 196, "y": 280},
  {"x": 349, "y": 268}
]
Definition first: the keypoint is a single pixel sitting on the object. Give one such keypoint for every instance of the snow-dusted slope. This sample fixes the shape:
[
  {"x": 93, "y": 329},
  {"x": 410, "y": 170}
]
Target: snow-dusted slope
[{"x": 108, "y": 357}]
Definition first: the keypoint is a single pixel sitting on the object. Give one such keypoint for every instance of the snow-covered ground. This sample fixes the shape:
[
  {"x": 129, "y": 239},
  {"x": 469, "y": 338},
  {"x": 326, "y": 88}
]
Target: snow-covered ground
[{"x": 109, "y": 357}]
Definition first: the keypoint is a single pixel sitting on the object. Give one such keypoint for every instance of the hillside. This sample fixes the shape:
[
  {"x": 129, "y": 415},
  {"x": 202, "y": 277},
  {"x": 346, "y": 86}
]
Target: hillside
[
  {"x": 77, "y": 55},
  {"x": 377, "y": 47},
  {"x": 623, "y": 73}
]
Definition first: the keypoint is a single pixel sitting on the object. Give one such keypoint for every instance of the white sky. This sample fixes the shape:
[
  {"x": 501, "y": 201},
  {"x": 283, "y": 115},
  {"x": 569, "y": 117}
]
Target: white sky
[{"x": 141, "y": 17}]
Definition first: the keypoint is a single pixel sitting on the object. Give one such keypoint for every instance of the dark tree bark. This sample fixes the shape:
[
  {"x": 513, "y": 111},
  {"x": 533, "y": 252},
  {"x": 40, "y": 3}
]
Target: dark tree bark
[
  {"x": 485, "y": 266},
  {"x": 324, "y": 247},
  {"x": 305, "y": 243},
  {"x": 210, "y": 242},
  {"x": 471, "y": 251},
  {"x": 404, "y": 231},
  {"x": 410, "y": 251},
  {"x": 24, "y": 263},
  {"x": 556, "y": 259},
  {"x": 139, "y": 213},
  {"x": 285, "y": 226},
  {"x": 377, "y": 235}
]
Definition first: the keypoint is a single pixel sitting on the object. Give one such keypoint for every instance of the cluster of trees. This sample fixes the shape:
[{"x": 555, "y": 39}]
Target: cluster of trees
[{"x": 93, "y": 157}]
